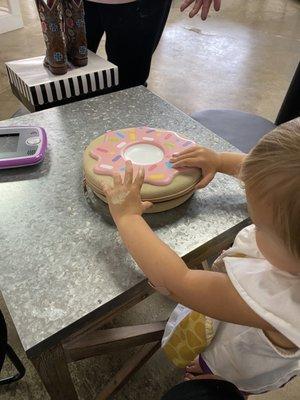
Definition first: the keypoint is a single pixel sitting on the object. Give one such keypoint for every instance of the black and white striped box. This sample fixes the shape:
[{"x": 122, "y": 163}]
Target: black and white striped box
[{"x": 37, "y": 88}]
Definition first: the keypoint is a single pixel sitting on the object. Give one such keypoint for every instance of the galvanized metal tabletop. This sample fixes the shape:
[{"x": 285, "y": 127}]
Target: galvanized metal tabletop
[{"x": 61, "y": 260}]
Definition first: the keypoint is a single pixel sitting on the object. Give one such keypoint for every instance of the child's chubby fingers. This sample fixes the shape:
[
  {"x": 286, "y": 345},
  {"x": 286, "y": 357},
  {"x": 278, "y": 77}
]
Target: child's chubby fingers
[
  {"x": 117, "y": 179},
  {"x": 194, "y": 151},
  {"x": 146, "y": 205},
  {"x": 187, "y": 162},
  {"x": 194, "y": 158},
  {"x": 205, "y": 181},
  {"x": 139, "y": 179},
  {"x": 106, "y": 189},
  {"x": 184, "y": 157},
  {"x": 128, "y": 173},
  {"x": 186, "y": 151}
]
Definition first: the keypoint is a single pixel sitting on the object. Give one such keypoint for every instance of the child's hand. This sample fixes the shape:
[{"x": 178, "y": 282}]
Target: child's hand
[
  {"x": 124, "y": 198},
  {"x": 199, "y": 157}
]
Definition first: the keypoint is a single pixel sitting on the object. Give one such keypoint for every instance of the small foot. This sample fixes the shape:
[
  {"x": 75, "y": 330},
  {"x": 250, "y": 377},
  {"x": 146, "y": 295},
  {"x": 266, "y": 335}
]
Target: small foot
[
  {"x": 192, "y": 370},
  {"x": 195, "y": 372}
]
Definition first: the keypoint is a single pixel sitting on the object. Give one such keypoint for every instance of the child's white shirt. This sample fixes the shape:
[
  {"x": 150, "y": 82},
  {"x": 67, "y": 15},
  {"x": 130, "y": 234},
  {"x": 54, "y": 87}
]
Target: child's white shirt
[{"x": 244, "y": 355}]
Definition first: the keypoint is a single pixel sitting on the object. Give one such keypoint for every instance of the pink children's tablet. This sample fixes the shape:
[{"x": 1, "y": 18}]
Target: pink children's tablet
[{"x": 21, "y": 146}]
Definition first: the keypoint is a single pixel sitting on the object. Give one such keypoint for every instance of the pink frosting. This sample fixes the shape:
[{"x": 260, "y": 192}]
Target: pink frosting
[{"x": 110, "y": 152}]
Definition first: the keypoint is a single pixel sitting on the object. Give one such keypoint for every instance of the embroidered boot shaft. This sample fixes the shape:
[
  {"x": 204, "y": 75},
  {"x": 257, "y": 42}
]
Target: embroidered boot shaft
[
  {"x": 51, "y": 21},
  {"x": 75, "y": 34}
]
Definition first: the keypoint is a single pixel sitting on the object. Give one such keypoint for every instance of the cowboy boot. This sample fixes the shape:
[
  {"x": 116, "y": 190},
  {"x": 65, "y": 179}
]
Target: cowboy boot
[
  {"x": 50, "y": 14},
  {"x": 74, "y": 26}
]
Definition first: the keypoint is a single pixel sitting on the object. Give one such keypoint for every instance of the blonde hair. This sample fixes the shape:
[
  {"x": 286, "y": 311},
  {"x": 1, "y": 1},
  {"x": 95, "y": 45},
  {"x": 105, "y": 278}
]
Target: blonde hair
[{"x": 271, "y": 171}]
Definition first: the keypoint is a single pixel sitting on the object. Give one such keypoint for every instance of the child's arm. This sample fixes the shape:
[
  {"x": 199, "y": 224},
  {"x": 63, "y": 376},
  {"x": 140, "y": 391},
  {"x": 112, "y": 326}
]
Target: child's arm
[
  {"x": 209, "y": 161},
  {"x": 210, "y": 293}
]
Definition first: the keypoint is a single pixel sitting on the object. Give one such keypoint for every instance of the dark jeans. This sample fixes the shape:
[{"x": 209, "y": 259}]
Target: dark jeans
[
  {"x": 133, "y": 31},
  {"x": 206, "y": 389}
]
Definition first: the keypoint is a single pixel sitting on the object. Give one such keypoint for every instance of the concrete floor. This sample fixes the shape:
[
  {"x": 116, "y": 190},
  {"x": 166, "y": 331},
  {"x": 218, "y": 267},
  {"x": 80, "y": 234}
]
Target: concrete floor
[{"x": 242, "y": 58}]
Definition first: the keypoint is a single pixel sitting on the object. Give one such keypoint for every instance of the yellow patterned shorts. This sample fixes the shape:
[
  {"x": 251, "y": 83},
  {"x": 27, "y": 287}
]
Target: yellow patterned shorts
[{"x": 189, "y": 338}]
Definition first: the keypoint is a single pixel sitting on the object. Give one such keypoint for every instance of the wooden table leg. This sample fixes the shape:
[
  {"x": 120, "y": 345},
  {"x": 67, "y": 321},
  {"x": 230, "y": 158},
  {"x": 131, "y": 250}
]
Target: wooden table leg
[
  {"x": 128, "y": 369},
  {"x": 54, "y": 373}
]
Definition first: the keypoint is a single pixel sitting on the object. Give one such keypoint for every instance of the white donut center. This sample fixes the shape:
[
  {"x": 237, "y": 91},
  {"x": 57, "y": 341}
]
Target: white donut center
[{"x": 144, "y": 154}]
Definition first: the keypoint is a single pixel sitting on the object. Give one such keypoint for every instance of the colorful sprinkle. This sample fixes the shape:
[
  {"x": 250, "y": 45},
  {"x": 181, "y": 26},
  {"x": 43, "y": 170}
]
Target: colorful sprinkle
[
  {"x": 116, "y": 158},
  {"x": 101, "y": 150},
  {"x": 120, "y": 145},
  {"x": 157, "y": 177},
  {"x": 150, "y": 139},
  {"x": 113, "y": 139},
  {"x": 132, "y": 137},
  {"x": 170, "y": 145},
  {"x": 152, "y": 167},
  {"x": 105, "y": 166},
  {"x": 168, "y": 136},
  {"x": 120, "y": 134},
  {"x": 186, "y": 144},
  {"x": 169, "y": 164},
  {"x": 150, "y": 130}
]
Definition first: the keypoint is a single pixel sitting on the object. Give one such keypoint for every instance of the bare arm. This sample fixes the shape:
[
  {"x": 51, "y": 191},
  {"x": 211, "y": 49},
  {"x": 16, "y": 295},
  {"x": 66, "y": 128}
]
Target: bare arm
[
  {"x": 230, "y": 163},
  {"x": 210, "y": 293}
]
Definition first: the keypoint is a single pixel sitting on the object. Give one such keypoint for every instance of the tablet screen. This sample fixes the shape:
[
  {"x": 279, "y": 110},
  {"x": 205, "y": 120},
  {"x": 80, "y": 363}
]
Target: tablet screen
[{"x": 9, "y": 143}]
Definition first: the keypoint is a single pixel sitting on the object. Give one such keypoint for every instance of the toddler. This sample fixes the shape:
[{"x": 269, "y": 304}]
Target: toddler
[{"x": 243, "y": 316}]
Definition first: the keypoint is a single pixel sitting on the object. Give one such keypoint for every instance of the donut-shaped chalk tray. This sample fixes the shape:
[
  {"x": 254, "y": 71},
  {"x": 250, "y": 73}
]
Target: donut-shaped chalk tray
[{"x": 165, "y": 186}]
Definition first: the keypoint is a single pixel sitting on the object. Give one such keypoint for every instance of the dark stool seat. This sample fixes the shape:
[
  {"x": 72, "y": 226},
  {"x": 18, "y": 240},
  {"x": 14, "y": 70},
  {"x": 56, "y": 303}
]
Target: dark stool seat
[{"x": 243, "y": 130}]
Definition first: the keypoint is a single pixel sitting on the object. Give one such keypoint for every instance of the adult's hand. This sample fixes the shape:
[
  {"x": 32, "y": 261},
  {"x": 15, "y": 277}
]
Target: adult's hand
[{"x": 203, "y": 5}]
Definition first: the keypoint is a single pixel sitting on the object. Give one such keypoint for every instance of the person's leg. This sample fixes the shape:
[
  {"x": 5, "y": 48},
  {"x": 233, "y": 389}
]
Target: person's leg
[
  {"x": 163, "y": 20},
  {"x": 133, "y": 31},
  {"x": 93, "y": 24},
  {"x": 206, "y": 389}
]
